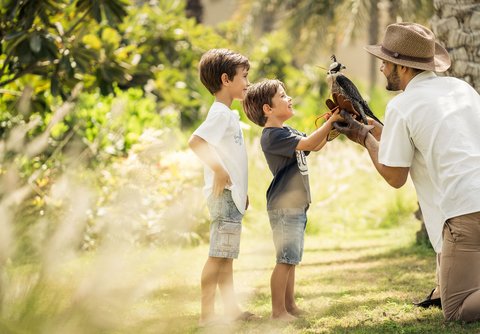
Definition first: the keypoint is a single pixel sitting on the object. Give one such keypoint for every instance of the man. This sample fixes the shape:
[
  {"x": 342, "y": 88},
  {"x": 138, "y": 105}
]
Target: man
[{"x": 432, "y": 132}]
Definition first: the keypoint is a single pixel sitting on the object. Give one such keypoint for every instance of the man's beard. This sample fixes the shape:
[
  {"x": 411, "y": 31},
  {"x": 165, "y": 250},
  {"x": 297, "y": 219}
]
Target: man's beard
[{"x": 393, "y": 80}]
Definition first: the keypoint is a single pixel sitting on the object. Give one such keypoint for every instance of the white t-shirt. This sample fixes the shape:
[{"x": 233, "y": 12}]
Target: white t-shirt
[
  {"x": 221, "y": 130},
  {"x": 433, "y": 127}
]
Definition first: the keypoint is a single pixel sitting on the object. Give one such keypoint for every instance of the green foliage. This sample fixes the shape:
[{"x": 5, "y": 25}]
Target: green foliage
[
  {"x": 165, "y": 48},
  {"x": 44, "y": 38}
]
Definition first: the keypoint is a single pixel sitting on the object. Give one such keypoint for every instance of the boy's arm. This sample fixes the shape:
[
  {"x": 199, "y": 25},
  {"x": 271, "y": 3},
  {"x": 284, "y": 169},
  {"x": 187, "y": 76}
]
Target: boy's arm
[
  {"x": 317, "y": 139},
  {"x": 319, "y": 147},
  {"x": 221, "y": 178}
]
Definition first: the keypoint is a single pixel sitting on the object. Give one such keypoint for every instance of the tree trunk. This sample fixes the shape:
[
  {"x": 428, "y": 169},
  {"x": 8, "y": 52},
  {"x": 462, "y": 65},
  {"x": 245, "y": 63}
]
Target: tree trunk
[
  {"x": 373, "y": 39},
  {"x": 456, "y": 23},
  {"x": 194, "y": 9}
]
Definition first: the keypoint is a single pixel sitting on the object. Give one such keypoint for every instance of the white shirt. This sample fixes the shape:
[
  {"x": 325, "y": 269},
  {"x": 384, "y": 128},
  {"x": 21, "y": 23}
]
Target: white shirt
[
  {"x": 221, "y": 130},
  {"x": 433, "y": 127}
]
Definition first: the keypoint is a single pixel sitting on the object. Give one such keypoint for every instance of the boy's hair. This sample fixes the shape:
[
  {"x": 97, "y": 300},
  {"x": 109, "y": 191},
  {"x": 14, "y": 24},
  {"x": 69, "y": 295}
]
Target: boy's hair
[
  {"x": 257, "y": 95},
  {"x": 215, "y": 62}
]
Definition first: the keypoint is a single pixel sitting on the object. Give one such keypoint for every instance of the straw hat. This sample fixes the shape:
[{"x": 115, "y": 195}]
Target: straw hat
[{"x": 412, "y": 45}]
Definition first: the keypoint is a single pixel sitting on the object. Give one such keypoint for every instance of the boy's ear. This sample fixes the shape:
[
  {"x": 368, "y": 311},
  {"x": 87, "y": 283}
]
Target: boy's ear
[
  {"x": 266, "y": 109},
  {"x": 224, "y": 78}
]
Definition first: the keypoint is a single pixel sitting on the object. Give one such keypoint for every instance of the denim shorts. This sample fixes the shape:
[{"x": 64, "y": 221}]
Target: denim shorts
[
  {"x": 226, "y": 226},
  {"x": 288, "y": 227}
]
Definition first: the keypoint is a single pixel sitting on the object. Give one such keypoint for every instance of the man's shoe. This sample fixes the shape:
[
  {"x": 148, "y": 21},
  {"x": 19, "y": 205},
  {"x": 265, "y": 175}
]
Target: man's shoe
[{"x": 436, "y": 302}]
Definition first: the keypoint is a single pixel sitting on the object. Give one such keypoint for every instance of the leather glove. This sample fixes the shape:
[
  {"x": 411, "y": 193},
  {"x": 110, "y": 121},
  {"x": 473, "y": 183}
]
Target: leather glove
[
  {"x": 332, "y": 106},
  {"x": 339, "y": 101},
  {"x": 354, "y": 130},
  {"x": 345, "y": 104}
]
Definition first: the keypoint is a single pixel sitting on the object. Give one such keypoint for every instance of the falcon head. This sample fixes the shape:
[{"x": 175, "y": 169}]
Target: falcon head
[{"x": 335, "y": 67}]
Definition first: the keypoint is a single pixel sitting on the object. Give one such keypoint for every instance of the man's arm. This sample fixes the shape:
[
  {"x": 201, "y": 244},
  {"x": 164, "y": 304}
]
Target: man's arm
[
  {"x": 221, "y": 179},
  {"x": 359, "y": 133},
  {"x": 395, "y": 176}
]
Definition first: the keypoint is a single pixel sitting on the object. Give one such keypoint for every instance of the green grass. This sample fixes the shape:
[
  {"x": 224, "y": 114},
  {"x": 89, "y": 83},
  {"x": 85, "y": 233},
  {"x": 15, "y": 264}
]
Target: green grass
[
  {"x": 360, "y": 272},
  {"x": 360, "y": 283},
  {"x": 353, "y": 283}
]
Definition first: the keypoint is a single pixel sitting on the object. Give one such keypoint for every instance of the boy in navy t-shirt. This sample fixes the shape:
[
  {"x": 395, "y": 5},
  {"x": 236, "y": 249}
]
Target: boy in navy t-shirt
[{"x": 288, "y": 196}]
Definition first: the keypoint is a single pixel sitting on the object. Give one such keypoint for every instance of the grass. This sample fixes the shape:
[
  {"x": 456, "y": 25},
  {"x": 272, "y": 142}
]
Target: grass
[
  {"x": 360, "y": 272},
  {"x": 362, "y": 283}
]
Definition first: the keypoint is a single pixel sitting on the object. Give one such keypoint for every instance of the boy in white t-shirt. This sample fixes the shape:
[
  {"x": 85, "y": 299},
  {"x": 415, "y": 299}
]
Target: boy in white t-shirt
[{"x": 219, "y": 143}]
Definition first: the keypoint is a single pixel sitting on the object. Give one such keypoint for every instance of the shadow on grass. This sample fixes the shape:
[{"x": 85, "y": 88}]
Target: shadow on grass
[
  {"x": 366, "y": 290},
  {"x": 412, "y": 326}
]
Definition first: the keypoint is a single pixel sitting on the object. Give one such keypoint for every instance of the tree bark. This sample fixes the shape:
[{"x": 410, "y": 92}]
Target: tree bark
[
  {"x": 372, "y": 40},
  {"x": 456, "y": 23}
]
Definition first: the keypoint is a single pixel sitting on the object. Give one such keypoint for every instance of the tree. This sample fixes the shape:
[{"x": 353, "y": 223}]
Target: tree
[
  {"x": 316, "y": 25},
  {"x": 457, "y": 26},
  {"x": 45, "y": 38}
]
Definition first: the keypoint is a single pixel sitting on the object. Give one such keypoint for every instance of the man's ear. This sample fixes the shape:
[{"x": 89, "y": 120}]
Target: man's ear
[{"x": 224, "y": 78}]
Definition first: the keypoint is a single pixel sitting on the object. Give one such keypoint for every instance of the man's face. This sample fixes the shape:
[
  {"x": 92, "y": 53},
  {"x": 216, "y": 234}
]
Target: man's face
[{"x": 390, "y": 70}]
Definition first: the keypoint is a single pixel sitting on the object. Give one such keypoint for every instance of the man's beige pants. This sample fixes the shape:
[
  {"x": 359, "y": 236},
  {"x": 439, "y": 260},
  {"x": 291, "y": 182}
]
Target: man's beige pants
[{"x": 460, "y": 268}]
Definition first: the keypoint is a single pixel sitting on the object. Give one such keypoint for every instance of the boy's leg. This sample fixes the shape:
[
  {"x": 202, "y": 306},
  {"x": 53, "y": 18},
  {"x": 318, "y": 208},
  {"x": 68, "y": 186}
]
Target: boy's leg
[
  {"x": 288, "y": 227},
  {"x": 225, "y": 283},
  {"x": 225, "y": 233},
  {"x": 290, "y": 303},
  {"x": 278, "y": 286},
  {"x": 209, "y": 281}
]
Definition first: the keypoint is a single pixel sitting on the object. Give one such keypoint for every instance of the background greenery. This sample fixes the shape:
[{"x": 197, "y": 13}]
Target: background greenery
[{"x": 103, "y": 227}]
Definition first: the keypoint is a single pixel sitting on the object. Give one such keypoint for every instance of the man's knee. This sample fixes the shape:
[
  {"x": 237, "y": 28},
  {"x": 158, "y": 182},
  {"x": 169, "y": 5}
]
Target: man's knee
[{"x": 468, "y": 311}]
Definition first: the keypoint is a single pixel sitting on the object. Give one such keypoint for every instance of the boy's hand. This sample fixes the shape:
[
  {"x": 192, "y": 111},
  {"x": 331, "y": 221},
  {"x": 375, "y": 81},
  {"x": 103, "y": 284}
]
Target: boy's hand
[
  {"x": 335, "y": 116},
  {"x": 221, "y": 180}
]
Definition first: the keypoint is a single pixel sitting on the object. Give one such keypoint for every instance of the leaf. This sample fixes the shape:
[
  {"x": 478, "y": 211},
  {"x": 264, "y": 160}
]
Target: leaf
[{"x": 35, "y": 43}]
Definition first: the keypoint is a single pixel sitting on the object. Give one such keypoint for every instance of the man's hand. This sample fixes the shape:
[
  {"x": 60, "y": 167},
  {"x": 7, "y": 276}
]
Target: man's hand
[
  {"x": 355, "y": 131},
  {"x": 221, "y": 180}
]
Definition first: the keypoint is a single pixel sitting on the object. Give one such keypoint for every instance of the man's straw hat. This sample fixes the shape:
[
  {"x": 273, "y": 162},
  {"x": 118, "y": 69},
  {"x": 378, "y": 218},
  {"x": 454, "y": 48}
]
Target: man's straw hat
[{"x": 412, "y": 45}]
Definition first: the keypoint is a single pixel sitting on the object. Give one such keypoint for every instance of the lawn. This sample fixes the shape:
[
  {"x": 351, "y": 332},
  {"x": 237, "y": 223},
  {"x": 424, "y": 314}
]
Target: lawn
[
  {"x": 351, "y": 283},
  {"x": 360, "y": 273}
]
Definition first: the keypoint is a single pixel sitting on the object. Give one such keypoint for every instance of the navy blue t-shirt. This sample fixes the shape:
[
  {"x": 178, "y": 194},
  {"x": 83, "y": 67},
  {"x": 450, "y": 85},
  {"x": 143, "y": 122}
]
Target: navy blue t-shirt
[{"x": 290, "y": 185}]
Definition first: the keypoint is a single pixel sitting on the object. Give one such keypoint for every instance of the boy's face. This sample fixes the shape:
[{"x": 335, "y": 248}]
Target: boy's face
[
  {"x": 239, "y": 84},
  {"x": 282, "y": 105}
]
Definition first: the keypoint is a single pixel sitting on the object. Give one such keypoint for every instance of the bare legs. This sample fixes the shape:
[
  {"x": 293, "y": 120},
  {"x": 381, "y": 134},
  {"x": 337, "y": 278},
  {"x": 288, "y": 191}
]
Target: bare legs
[
  {"x": 217, "y": 272},
  {"x": 282, "y": 285}
]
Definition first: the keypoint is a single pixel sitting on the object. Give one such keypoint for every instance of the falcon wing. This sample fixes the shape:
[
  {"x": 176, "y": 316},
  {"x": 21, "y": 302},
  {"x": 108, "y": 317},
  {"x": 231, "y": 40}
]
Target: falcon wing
[{"x": 351, "y": 91}]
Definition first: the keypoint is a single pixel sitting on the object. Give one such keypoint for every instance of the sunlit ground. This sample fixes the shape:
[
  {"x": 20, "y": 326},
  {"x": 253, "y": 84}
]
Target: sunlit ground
[{"x": 360, "y": 272}]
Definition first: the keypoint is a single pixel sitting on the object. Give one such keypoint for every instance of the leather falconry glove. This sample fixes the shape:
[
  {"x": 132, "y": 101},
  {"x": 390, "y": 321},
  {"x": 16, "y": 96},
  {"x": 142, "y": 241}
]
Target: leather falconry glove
[
  {"x": 354, "y": 130},
  {"x": 339, "y": 101}
]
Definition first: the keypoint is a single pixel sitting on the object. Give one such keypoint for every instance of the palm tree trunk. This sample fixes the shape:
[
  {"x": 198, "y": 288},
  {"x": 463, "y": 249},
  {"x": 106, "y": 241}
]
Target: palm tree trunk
[
  {"x": 456, "y": 24},
  {"x": 373, "y": 39}
]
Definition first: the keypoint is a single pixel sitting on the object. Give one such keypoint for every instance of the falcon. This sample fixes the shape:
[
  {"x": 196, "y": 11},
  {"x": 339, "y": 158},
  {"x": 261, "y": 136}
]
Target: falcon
[{"x": 340, "y": 85}]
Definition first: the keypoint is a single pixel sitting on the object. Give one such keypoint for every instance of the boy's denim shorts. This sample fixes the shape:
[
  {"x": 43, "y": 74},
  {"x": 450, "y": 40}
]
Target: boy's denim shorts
[
  {"x": 288, "y": 227},
  {"x": 226, "y": 226}
]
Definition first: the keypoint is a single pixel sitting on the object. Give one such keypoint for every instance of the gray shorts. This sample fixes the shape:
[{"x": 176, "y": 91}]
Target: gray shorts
[
  {"x": 226, "y": 226},
  {"x": 288, "y": 227}
]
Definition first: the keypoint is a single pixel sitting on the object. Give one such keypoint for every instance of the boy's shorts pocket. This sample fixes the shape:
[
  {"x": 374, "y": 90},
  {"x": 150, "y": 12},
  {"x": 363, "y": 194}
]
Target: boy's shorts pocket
[{"x": 225, "y": 239}]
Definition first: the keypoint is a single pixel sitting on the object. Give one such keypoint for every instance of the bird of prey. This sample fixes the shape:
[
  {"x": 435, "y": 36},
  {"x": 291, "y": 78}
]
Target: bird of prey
[{"x": 339, "y": 84}]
